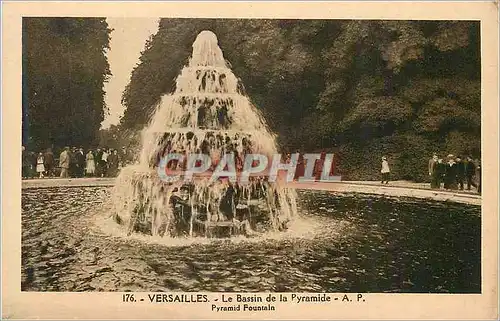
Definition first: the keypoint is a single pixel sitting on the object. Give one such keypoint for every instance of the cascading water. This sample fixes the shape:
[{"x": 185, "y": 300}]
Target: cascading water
[{"x": 207, "y": 114}]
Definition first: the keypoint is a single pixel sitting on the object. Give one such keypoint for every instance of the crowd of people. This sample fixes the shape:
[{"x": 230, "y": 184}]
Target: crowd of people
[
  {"x": 74, "y": 162},
  {"x": 455, "y": 173},
  {"x": 452, "y": 173}
]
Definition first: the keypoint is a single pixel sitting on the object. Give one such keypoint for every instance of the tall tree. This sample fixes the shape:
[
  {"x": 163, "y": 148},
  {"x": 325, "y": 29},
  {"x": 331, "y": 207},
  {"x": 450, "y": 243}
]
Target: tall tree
[
  {"x": 361, "y": 88},
  {"x": 64, "y": 71},
  {"x": 412, "y": 88}
]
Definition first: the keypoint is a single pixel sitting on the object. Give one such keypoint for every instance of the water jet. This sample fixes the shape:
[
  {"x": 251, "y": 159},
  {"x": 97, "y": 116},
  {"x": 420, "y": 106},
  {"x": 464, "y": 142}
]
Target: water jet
[{"x": 207, "y": 113}]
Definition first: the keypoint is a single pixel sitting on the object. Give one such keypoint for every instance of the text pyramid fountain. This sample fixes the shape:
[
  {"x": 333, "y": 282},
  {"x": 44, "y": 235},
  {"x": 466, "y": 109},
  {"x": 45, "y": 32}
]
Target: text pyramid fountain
[{"x": 207, "y": 114}]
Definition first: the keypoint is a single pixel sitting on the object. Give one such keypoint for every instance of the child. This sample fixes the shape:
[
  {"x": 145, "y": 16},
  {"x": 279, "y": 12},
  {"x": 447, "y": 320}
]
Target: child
[{"x": 40, "y": 168}]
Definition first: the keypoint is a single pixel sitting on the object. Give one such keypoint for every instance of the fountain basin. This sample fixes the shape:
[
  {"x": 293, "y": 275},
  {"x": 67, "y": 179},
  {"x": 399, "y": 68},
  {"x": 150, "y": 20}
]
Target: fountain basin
[
  {"x": 144, "y": 203},
  {"x": 345, "y": 242}
]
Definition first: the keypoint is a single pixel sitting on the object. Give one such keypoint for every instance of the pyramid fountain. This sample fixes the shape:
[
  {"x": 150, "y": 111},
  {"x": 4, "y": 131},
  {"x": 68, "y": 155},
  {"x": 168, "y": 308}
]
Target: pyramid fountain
[{"x": 206, "y": 114}]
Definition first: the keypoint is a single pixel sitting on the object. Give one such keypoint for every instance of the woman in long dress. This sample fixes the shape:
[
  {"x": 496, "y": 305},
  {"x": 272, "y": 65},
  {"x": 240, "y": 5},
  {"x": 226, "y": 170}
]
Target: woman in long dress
[
  {"x": 385, "y": 171},
  {"x": 90, "y": 167},
  {"x": 40, "y": 168}
]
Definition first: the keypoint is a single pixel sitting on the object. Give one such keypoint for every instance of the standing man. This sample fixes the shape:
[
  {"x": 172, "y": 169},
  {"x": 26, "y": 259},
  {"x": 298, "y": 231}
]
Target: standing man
[
  {"x": 433, "y": 170},
  {"x": 98, "y": 163},
  {"x": 460, "y": 173},
  {"x": 113, "y": 163},
  {"x": 73, "y": 165},
  {"x": 48, "y": 162},
  {"x": 25, "y": 163},
  {"x": 450, "y": 177},
  {"x": 470, "y": 171},
  {"x": 64, "y": 162},
  {"x": 80, "y": 160},
  {"x": 478, "y": 175},
  {"x": 385, "y": 170},
  {"x": 104, "y": 162},
  {"x": 439, "y": 172}
]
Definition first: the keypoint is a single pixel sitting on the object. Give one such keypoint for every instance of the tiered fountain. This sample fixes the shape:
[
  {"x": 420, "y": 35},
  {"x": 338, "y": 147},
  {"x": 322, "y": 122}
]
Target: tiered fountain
[{"x": 208, "y": 114}]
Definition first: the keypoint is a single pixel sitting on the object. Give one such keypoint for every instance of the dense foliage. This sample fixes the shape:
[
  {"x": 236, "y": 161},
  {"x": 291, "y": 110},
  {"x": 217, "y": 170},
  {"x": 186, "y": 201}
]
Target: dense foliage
[
  {"x": 64, "y": 70},
  {"x": 363, "y": 89}
]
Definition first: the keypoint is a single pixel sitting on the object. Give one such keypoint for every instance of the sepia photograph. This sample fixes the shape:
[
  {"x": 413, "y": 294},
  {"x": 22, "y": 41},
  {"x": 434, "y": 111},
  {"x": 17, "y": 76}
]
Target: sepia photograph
[
  {"x": 318, "y": 158},
  {"x": 398, "y": 103}
]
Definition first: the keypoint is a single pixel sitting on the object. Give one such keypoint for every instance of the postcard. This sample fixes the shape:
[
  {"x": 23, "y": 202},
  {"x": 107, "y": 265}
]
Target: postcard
[{"x": 250, "y": 160}]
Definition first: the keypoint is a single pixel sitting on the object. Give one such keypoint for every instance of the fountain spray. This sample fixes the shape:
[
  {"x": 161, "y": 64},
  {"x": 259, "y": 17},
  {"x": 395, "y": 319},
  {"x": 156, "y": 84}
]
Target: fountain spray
[{"x": 206, "y": 114}]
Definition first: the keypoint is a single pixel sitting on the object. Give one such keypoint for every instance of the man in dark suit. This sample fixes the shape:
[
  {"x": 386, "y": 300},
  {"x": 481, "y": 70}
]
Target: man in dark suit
[
  {"x": 478, "y": 175},
  {"x": 439, "y": 173},
  {"x": 73, "y": 165},
  {"x": 80, "y": 161},
  {"x": 460, "y": 172},
  {"x": 433, "y": 164},
  {"x": 450, "y": 177},
  {"x": 470, "y": 171},
  {"x": 48, "y": 162},
  {"x": 25, "y": 163},
  {"x": 98, "y": 162}
]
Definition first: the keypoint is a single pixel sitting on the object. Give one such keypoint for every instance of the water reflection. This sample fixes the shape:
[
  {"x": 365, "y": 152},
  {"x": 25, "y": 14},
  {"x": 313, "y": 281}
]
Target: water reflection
[{"x": 346, "y": 243}]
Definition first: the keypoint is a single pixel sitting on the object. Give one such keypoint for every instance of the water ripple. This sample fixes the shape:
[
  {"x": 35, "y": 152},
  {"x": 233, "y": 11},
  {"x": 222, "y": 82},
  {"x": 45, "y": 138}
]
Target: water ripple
[{"x": 343, "y": 243}]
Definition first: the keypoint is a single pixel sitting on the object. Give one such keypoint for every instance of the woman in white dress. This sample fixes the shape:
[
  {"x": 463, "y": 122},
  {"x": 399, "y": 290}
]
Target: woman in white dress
[
  {"x": 385, "y": 171},
  {"x": 90, "y": 167},
  {"x": 40, "y": 168}
]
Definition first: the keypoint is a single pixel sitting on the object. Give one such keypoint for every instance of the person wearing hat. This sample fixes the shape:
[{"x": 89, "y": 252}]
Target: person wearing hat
[
  {"x": 450, "y": 176},
  {"x": 48, "y": 162},
  {"x": 25, "y": 163},
  {"x": 73, "y": 166},
  {"x": 460, "y": 172},
  {"x": 80, "y": 161},
  {"x": 64, "y": 162},
  {"x": 470, "y": 172},
  {"x": 433, "y": 170},
  {"x": 439, "y": 172},
  {"x": 478, "y": 175},
  {"x": 385, "y": 170}
]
